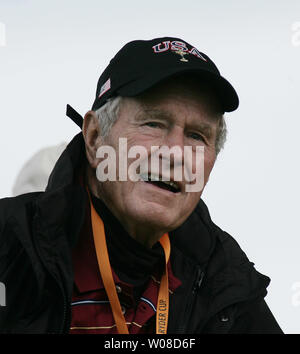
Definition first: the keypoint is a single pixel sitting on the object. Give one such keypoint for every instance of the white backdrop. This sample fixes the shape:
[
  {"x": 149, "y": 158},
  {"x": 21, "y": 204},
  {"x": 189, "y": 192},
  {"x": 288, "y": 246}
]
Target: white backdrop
[{"x": 52, "y": 53}]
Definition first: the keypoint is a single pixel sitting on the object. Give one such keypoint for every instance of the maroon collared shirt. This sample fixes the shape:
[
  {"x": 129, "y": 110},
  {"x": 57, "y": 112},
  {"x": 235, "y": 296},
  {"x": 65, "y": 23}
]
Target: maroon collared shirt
[{"x": 91, "y": 311}]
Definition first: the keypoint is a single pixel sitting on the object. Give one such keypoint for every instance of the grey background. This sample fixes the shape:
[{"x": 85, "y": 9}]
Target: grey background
[{"x": 56, "y": 50}]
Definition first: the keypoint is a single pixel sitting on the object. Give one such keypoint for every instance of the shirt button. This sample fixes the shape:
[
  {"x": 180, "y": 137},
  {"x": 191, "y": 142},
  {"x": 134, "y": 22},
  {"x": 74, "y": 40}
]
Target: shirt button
[{"x": 118, "y": 288}]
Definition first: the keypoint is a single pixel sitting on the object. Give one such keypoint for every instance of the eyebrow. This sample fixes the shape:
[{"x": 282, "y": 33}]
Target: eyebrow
[
  {"x": 204, "y": 128},
  {"x": 153, "y": 113}
]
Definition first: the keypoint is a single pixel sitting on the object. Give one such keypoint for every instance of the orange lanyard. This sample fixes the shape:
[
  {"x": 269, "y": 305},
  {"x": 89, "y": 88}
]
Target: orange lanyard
[{"x": 162, "y": 311}]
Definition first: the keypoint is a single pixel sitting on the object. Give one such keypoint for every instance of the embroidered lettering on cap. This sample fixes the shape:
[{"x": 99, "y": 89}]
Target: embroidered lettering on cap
[
  {"x": 178, "y": 47},
  {"x": 161, "y": 47}
]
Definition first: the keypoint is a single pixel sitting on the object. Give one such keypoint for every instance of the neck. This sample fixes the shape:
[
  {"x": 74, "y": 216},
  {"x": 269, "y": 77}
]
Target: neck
[{"x": 146, "y": 236}]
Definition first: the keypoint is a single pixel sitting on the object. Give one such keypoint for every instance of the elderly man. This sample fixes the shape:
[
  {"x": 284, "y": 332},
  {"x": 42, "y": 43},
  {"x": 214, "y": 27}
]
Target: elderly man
[{"x": 103, "y": 251}]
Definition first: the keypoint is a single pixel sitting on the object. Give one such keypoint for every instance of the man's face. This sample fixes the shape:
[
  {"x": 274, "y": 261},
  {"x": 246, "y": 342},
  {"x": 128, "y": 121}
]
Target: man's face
[{"x": 170, "y": 115}]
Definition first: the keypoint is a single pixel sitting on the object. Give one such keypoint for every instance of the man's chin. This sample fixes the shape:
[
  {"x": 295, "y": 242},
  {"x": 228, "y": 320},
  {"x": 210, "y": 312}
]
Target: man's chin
[{"x": 156, "y": 217}]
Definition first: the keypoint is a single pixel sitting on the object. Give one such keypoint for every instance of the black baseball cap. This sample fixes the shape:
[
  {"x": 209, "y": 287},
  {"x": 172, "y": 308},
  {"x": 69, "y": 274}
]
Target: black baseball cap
[{"x": 141, "y": 64}]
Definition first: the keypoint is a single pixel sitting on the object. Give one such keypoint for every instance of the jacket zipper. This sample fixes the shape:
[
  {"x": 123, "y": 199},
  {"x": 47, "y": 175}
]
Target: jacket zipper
[{"x": 190, "y": 300}]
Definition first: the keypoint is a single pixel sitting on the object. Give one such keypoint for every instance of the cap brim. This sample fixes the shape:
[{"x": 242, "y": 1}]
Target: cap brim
[{"x": 224, "y": 90}]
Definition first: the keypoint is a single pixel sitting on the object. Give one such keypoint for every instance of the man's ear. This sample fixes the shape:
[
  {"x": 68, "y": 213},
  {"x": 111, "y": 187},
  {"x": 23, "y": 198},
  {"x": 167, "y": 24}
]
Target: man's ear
[{"x": 92, "y": 137}]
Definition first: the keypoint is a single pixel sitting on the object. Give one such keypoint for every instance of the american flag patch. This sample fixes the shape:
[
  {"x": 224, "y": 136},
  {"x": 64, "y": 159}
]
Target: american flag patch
[{"x": 104, "y": 88}]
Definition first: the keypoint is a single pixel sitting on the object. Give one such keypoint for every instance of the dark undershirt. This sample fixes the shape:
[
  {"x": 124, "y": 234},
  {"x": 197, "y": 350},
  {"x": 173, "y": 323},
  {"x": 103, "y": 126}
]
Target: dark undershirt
[{"x": 132, "y": 261}]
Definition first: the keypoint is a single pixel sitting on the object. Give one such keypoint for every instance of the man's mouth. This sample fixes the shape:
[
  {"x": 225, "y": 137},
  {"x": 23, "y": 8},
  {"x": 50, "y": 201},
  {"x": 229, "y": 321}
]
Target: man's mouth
[{"x": 171, "y": 186}]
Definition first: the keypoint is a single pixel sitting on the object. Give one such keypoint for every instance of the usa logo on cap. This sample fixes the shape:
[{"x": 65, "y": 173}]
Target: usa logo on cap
[{"x": 178, "y": 47}]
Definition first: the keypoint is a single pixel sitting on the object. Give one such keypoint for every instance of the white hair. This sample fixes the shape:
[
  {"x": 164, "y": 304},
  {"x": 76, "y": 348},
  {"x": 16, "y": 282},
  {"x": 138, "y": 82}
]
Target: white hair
[
  {"x": 108, "y": 114},
  {"x": 221, "y": 135}
]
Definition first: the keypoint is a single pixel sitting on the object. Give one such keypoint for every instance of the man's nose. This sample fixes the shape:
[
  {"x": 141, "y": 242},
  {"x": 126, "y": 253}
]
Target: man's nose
[{"x": 175, "y": 140}]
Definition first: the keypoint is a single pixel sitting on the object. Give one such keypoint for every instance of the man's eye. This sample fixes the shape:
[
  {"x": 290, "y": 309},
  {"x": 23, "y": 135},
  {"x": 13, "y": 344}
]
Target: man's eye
[
  {"x": 196, "y": 136},
  {"x": 153, "y": 124}
]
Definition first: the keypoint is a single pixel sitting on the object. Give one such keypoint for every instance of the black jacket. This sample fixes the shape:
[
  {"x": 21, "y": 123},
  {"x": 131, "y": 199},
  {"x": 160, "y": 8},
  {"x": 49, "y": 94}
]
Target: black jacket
[{"x": 221, "y": 291}]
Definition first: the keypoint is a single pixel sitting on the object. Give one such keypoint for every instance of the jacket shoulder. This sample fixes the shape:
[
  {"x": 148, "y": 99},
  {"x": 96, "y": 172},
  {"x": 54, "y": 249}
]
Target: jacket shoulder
[
  {"x": 9, "y": 205},
  {"x": 230, "y": 246}
]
